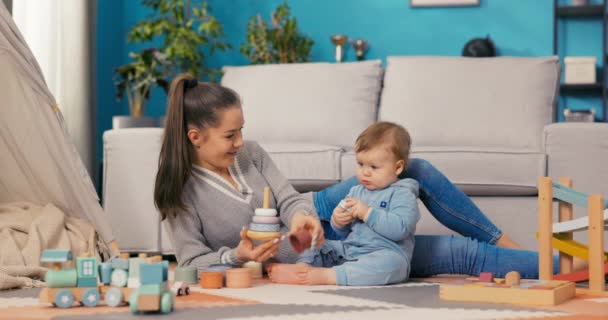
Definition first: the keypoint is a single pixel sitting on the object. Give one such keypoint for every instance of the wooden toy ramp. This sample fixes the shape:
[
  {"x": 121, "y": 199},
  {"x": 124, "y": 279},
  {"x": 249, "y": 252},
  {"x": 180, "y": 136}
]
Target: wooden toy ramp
[
  {"x": 564, "y": 244},
  {"x": 560, "y": 236}
]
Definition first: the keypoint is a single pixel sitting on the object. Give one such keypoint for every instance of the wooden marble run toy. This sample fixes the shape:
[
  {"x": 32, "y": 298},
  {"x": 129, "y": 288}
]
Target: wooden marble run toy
[
  {"x": 560, "y": 235},
  {"x": 549, "y": 289}
]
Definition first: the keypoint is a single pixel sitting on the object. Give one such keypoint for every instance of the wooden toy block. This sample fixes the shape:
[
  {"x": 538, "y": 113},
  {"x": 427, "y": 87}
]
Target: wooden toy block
[
  {"x": 544, "y": 295},
  {"x": 148, "y": 302},
  {"x": 142, "y": 255},
  {"x": 105, "y": 273},
  {"x": 512, "y": 278},
  {"x": 56, "y": 255},
  {"x": 120, "y": 263},
  {"x": 499, "y": 280},
  {"x": 486, "y": 277},
  {"x": 150, "y": 273},
  {"x": 263, "y": 236},
  {"x": 156, "y": 288},
  {"x": 134, "y": 267},
  {"x": 125, "y": 255},
  {"x": 154, "y": 259},
  {"x": 61, "y": 278},
  {"x": 86, "y": 282}
]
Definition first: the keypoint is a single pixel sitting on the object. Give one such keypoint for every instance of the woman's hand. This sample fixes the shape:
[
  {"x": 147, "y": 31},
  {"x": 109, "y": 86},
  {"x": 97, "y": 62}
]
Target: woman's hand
[
  {"x": 302, "y": 221},
  {"x": 357, "y": 208},
  {"x": 341, "y": 217},
  {"x": 245, "y": 251}
]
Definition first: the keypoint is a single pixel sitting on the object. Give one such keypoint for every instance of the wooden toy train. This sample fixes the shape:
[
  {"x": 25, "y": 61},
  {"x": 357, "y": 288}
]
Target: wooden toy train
[{"x": 135, "y": 281}]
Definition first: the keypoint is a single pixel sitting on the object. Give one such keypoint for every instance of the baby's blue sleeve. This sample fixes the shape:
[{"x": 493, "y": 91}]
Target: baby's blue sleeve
[{"x": 401, "y": 218}]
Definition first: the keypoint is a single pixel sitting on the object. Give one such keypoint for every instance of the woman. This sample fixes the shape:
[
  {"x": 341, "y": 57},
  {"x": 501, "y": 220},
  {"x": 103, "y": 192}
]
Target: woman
[{"x": 210, "y": 181}]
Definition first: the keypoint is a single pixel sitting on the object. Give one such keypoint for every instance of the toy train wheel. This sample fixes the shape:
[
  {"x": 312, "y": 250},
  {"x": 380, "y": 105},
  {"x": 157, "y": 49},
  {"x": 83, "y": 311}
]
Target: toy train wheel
[
  {"x": 90, "y": 298},
  {"x": 64, "y": 298},
  {"x": 133, "y": 301},
  {"x": 187, "y": 291},
  {"x": 166, "y": 302},
  {"x": 114, "y": 297}
]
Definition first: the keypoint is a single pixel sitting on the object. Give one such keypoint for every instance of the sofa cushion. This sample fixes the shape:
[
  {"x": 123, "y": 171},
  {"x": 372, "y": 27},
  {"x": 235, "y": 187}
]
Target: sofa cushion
[
  {"x": 307, "y": 166},
  {"x": 477, "y": 172},
  {"x": 130, "y": 163},
  {"x": 500, "y": 103},
  {"x": 319, "y": 103}
]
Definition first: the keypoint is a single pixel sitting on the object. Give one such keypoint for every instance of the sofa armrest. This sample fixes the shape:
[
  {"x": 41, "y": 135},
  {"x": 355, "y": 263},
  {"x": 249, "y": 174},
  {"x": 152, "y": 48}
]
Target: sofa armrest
[{"x": 579, "y": 151}]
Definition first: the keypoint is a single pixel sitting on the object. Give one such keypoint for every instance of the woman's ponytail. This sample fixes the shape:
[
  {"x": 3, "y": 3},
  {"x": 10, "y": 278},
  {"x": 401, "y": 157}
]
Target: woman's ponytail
[{"x": 174, "y": 162}]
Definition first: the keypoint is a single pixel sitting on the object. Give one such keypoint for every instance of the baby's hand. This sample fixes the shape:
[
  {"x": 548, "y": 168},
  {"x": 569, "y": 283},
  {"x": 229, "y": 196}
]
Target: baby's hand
[
  {"x": 357, "y": 208},
  {"x": 341, "y": 217}
]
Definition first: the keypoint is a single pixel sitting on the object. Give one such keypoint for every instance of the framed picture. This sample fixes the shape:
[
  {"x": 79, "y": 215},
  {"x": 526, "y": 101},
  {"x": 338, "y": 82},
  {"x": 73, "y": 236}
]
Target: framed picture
[{"x": 443, "y": 3}]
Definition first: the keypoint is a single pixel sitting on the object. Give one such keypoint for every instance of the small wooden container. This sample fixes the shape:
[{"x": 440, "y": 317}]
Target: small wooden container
[
  {"x": 211, "y": 279},
  {"x": 238, "y": 278}
]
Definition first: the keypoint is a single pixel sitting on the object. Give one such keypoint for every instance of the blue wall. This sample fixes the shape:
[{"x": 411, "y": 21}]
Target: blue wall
[{"x": 518, "y": 27}]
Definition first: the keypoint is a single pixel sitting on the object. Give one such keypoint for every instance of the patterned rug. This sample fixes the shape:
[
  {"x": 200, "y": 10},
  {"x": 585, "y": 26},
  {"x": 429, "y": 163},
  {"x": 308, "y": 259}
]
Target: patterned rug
[{"x": 265, "y": 300}]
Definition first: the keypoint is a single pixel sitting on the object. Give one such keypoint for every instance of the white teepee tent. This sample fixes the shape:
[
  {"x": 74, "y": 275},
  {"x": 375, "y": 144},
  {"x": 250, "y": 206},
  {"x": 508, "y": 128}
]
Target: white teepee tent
[{"x": 38, "y": 161}]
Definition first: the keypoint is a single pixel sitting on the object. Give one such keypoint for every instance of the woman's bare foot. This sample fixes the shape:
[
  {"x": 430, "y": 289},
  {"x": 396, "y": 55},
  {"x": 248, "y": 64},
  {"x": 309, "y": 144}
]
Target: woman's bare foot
[
  {"x": 300, "y": 273},
  {"x": 506, "y": 242}
]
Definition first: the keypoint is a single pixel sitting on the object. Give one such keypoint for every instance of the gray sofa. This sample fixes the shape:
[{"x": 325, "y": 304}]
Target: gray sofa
[{"x": 486, "y": 123}]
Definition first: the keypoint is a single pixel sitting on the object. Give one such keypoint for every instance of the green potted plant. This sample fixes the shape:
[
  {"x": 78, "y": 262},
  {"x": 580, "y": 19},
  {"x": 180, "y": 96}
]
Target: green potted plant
[
  {"x": 277, "y": 42},
  {"x": 186, "y": 31}
]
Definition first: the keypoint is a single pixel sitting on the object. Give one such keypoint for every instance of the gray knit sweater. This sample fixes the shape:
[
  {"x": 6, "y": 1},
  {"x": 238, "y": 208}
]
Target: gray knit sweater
[{"x": 208, "y": 231}]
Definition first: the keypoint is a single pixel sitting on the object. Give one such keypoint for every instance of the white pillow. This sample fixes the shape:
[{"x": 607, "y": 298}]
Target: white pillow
[
  {"x": 326, "y": 103},
  {"x": 466, "y": 103}
]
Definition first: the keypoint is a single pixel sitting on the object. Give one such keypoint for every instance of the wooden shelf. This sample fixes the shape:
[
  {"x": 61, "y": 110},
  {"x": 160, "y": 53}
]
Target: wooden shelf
[
  {"x": 581, "y": 11},
  {"x": 581, "y": 88}
]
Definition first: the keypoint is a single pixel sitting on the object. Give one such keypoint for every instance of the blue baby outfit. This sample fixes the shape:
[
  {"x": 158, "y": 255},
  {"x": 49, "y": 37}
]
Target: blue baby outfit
[{"x": 378, "y": 251}]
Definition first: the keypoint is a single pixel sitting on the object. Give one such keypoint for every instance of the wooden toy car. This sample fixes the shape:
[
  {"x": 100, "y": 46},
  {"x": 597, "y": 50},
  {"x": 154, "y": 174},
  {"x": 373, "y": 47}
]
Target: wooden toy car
[{"x": 180, "y": 288}]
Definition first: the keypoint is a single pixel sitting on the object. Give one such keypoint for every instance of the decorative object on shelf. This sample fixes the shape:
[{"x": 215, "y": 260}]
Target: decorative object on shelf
[
  {"x": 187, "y": 32},
  {"x": 339, "y": 40},
  {"x": 579, "y": 115},
  {"x": 281, "y": 42},
  {"x": 479, "y": 47},
  {"x": 585, "y": 70},
  {"x": 580, "y": 70},
  {"x": 360, "y": 47},
  {"x": 443, "y": 3}
]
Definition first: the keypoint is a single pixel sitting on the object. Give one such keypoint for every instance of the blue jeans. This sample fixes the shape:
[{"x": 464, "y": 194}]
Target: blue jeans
[{"x": 434, "y": 254}]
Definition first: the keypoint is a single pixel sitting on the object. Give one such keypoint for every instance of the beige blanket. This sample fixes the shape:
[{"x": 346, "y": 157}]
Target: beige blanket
[{"x": 27, "y": 229}]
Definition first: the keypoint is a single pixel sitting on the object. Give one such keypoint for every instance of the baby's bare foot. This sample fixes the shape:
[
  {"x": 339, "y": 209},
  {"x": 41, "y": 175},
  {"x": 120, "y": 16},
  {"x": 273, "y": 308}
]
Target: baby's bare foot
[{"x": 301, "y": 273}]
